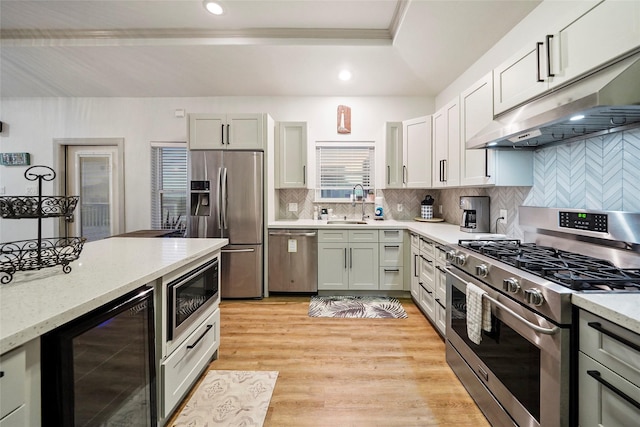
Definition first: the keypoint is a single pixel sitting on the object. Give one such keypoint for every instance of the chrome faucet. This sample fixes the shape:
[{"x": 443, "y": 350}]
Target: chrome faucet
[{"x": 353, "y": 202}]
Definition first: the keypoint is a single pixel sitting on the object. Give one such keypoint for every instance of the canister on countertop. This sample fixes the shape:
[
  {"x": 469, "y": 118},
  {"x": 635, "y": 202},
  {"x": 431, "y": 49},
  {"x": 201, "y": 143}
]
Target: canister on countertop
[
  {"x": 426, "y": 207},
  {"x": 379, "y": 210}
]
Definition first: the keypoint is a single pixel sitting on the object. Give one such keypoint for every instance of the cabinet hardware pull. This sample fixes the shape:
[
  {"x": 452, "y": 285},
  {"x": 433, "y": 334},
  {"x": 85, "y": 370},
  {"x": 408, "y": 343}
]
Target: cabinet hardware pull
[
  {"x": 228, "y": 134},
  {"x": 614, "y": 123},
  {"x": 549, "y": 73},
  {"x": 538, "y": 44},
  {"x": 304, "y": 174},
  {"x": 415, "y": 265},
  {"x": 222, "y": 134},
  {"x": 345, "y": 258},
  {"x": 388, "y": 174},
  {"x": 189, "y": 347},
  {"x": 441, "y": 269},
  {"x": 428, "y": 260},
  {"x": 350, "y": 258},
  {"x": 1, "y": 374},
  {"x": 616, "y": 390},
  {"x": 404, "y": 173},
  {"x": 391, "y": 246},
  {"x": 389, "y": 270},
  {"x": 486, "y": 163},
  {"x": 598, "y": 327},
  {"x": 444, "y": 170}
]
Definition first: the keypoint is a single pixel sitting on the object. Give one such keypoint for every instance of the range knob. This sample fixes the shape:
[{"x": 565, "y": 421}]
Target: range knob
[
  {"x": 533, "y": 296},
  {"x": 482, "y": 270},
  {"x": 511, "y": 285},
  {"x": 451, "y": 255},
  {"x": 460, "y": 259}
]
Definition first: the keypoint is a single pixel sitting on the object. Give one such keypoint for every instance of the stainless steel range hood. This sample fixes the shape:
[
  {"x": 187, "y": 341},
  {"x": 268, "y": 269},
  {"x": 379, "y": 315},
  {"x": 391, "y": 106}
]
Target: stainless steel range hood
[{"x": 609, "y": 100}]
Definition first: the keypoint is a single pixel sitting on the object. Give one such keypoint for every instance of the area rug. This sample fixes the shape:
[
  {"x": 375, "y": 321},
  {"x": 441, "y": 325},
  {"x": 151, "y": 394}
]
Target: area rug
[
  {"x": 356, "y": 307},
  {"x": 229, "y": 398}
]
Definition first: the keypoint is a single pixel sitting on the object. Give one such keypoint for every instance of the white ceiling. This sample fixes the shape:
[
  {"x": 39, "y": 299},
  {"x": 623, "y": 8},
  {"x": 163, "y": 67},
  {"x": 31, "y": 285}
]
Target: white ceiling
[{"x": 258, "y": 47}]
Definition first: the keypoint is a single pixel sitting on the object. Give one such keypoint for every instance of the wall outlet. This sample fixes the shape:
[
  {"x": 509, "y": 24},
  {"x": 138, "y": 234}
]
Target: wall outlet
[
  {"x": 293, "y": 207},
  {"x": 399, "y": 207},
  {"x": 31, "y": 190},
  {"x": 503, "y": 214}
]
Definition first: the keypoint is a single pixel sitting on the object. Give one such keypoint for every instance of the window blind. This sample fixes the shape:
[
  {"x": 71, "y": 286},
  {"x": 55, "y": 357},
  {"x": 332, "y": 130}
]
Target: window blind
[
  {"x": 168, "y": 187},
  {"x": 340, "y": 168}
]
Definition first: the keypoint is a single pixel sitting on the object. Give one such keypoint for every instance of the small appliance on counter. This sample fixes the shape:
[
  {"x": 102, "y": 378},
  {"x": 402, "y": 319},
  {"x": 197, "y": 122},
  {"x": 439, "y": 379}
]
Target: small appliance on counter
[
  {"x": 379, "y": 210},
  {"x": 475, "y": 214}
]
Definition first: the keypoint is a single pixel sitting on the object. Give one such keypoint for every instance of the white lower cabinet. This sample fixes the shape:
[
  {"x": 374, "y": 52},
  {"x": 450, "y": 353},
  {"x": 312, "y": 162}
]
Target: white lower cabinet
[
  {"x": 348, "y": 259},
  {"x": 12, "y": 382},
  {"x": 428, "y": 301},
  {"x": 415, "y": 267},
  {"x": 608, "y": 373},
  {"x": 180, "y": 370}
]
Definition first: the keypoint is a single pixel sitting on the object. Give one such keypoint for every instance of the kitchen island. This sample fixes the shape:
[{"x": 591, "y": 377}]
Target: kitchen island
[{"x": 35, "y": 303}]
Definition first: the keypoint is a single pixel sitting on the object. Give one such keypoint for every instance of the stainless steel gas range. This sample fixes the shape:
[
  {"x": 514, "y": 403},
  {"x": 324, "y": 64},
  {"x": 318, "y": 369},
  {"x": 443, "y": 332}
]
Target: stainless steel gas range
[{"x": 521, "y": 371}]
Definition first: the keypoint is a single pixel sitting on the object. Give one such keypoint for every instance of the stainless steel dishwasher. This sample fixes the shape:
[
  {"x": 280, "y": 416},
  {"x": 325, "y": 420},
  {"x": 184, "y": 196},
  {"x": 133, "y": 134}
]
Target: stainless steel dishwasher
[{"x": 293, "y": 261}]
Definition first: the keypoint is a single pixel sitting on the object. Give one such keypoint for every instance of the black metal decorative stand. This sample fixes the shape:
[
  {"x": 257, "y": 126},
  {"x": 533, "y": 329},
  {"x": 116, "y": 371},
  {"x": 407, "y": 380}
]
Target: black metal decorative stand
[{"x": 35, "y": 254}]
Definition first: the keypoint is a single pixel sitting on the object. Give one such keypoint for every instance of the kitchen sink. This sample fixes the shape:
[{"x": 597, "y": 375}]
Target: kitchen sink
[{"x": 345, "y": 221}]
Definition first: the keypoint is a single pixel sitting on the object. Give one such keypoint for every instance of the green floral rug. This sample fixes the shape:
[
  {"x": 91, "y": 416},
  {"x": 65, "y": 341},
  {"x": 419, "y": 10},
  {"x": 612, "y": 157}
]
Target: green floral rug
[{"x": 356, "y": 307}]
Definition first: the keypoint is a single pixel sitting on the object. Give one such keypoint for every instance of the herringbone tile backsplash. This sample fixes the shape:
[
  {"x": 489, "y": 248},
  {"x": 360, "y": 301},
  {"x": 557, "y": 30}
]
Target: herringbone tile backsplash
[{"x": 596, "y": 173}]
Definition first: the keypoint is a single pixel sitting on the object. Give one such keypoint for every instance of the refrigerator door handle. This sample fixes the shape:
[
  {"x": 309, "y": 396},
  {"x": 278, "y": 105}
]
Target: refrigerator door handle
[
  {"x": 224, "y": 198},
  {"x": 229, "y": 251},
  {"x": 218, "y": 199}
]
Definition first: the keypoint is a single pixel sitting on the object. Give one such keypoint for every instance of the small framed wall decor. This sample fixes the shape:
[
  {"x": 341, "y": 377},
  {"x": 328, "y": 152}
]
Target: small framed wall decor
[
  {"x": 15, "y": 159},
  {"x": 344, "y": 119}
]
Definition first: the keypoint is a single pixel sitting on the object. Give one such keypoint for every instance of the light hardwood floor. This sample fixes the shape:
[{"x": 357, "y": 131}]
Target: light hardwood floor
[{"x": 344, "y": 372}]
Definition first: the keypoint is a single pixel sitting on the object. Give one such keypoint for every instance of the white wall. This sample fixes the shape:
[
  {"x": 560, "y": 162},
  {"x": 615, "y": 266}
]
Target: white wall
[{"x": 31, "y": 125}]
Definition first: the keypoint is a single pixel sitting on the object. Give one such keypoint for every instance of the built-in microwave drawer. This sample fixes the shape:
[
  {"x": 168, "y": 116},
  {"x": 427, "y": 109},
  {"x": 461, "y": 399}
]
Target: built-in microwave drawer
[
  {"x": 182, "y": 368},
  {"x": 12, "y": 381},
  {"x": 612, "y": 345}
]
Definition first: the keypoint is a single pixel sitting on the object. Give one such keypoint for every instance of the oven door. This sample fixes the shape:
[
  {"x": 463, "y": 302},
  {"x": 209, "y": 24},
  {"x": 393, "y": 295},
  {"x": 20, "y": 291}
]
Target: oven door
[
  {"x": 189, "y": 296},
  {"x": 523, "y": 362}
]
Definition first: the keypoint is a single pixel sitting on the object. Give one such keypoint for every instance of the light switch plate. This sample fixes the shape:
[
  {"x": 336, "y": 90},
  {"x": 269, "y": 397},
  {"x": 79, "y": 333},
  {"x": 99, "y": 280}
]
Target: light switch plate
[{"x": 293, "y": 207}]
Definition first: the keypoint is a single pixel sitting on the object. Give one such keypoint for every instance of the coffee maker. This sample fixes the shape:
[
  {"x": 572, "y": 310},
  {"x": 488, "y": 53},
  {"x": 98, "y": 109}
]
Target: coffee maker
[{"x": 475, "y": 214}]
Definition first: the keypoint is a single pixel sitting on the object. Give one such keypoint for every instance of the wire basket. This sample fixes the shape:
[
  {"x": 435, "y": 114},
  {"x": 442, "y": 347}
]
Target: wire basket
[{"x": 14, "y": 207}]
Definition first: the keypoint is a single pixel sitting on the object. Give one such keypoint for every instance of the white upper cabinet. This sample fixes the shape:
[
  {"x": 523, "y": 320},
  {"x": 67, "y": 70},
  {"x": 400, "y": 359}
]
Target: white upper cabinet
[
  {"x": 291, "y": 155},
  {"x": 408, "y": 153},
  {"x": 597, "y": 34},
  {"x": 226, "y": 132},
  {"x": 483, "y": 167},
  {"x": 446, "y": 145},
  {"x": 416, "y": 168}
]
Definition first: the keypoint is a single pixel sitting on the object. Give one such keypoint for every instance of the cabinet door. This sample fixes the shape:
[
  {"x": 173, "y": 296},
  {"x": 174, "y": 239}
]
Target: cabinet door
[
  {"x": 391, "y": 279},
  {"x": 520, "y": 78},
  {"x": 363, "y": 266},
  {"x": 415, "y": 273},
  {"x": 441, "y": 318},
  {"x": 244, "y": 132},
  {"x": 417, "y": 153},
  {"x": 440, "y": 284},
  {"x": 446, "y": 145},
  {"x": 393, "y": 155},
  {"x": 206, "y": 131},
  {"x": 476, "y": 112},
  {"x": 291, "y": 155},
  {"x": 333, "y": 271},
  {"x": 427, "y": 273},
  {"x": 610, "y": 29},
  {"x": 428, "y": 303}
]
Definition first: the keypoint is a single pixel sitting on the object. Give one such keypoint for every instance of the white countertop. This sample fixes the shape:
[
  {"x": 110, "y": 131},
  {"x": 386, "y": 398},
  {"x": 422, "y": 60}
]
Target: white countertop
[
  {"x": 441, "y": 232},
  {"x": 36, "y": 302},
  {"x": 620, "y": 308}
]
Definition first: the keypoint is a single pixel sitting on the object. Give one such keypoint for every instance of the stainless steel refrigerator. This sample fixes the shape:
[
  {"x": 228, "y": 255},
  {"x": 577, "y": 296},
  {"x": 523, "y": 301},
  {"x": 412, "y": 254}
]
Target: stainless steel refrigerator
[{"x": 227, "y": 200}]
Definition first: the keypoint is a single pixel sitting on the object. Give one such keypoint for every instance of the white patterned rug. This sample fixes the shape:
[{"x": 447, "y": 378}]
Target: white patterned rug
[
  {"x": 229, "y": 398},
  {"x": 356, "y": 306}
]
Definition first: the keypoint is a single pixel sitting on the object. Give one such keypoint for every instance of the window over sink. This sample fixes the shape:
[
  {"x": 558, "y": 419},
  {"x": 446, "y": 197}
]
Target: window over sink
[{"x": 342, "y": 165}]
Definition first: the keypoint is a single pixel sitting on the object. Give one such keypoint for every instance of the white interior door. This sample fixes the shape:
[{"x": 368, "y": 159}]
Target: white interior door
[{"x": 92, "y": 173}]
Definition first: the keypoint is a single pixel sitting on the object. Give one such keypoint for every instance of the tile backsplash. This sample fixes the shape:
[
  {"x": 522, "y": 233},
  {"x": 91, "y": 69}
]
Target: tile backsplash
[{"x": 600, "y": 173}]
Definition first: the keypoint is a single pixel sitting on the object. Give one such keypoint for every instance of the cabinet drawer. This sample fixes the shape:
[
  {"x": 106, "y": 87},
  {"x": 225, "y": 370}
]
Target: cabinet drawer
[
  {"x": 598, "y": 340},
  {"x": 440, "y": 255},
  {"x": 428, "y": 303},
  {"x": 415, "y": 240},
  {"x": 333, "y": 236},
  {"x": 363, "y": 236},
  {"x": 427, "y": 272},
  {"x": 390, "y": 235},
  {"x": 183, "y": 367},
  {"x": 391, "y": 279},
  {"x": 391, "y": 254},
  {"x": 440, "y": 284},
  {"x": 13, "y": 366},
  {"x": 426, "y": 247},
  {"x": 599, "y": 404},
  {"x": 441, "y": 318}
]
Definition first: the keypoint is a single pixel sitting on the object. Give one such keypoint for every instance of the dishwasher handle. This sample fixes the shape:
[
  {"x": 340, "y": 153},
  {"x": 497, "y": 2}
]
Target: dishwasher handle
[{"x": 296, "y": 234}]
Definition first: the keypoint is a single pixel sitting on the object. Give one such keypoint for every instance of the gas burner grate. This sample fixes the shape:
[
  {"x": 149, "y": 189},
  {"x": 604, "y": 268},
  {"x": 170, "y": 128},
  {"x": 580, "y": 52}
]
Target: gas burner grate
[{"x": 573, "y": 270}]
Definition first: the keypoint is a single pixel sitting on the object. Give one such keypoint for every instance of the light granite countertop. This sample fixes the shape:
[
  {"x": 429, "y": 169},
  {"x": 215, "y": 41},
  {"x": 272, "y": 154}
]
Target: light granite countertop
[
  {"x": 440, "y": 232},
  {"x": 37, "y": 302},
  {"x": 620, "y": 308}
]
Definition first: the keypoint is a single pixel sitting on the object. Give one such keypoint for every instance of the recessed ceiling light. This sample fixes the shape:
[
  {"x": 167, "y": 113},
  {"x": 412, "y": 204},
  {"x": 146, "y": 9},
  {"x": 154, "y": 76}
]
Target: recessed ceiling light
[
  {"x": 577, "y": 117},
  {"x": 491, "y": 144},
  {"x": 213, "y": 7},
  {"x": 344, "y": 75}
]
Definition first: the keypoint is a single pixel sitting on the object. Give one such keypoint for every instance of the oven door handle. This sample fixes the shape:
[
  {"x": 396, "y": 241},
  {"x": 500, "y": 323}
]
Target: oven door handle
[{"x": 540, "y": 329}]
